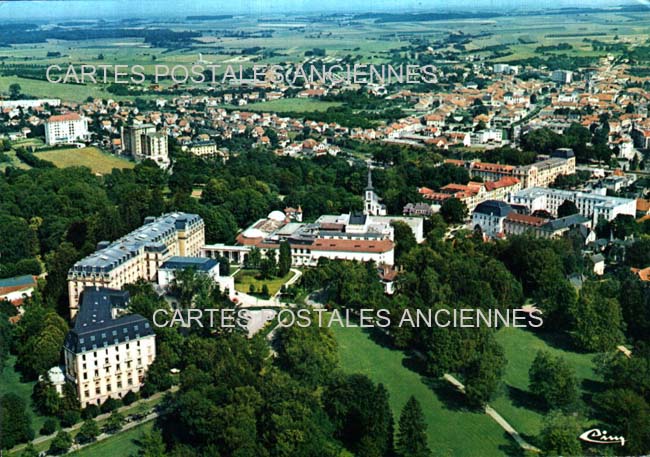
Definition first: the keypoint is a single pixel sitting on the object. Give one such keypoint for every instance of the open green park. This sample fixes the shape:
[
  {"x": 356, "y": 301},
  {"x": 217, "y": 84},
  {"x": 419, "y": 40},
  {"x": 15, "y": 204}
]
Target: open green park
[
  {"x": 445, "y": 412},
  {"x": 245, "y": 278},
  {"x": 121, "y": 444}
]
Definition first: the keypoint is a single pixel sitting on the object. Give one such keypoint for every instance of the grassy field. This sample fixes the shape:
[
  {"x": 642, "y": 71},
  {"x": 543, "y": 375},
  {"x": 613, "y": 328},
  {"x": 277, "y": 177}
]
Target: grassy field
[
  {"x": 10, "y": 383},
  {"x": 93, "y": 158},
  {"x": 244, "y": 278},
  {"x": 517, "y": 405},
  {"x": 452, "y": 429},
  {"x": 122, "y": 444},
  {"x": 303, "y": 105}
]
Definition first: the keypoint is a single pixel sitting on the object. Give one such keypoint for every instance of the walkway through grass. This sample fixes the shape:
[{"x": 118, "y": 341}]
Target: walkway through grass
[{"x": 453, "y": 429}]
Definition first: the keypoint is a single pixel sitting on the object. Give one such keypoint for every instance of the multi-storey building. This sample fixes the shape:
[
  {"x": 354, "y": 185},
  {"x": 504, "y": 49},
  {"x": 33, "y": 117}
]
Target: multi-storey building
[
  {"x": 137, "y": 255},
  {"x": 143, "y": 142},
  {"x": 591, "y": 205},
  {"x": 65, "y": 128},
  {"x": 107, "y": 355},
  {"x": 538, "y": 174}
]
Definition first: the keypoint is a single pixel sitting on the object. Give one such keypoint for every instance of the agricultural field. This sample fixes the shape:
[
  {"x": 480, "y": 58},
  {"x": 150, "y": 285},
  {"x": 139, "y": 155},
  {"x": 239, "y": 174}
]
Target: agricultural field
[
  {"x": 299, "y": 105},
  {"x": 93, "y": 158}
]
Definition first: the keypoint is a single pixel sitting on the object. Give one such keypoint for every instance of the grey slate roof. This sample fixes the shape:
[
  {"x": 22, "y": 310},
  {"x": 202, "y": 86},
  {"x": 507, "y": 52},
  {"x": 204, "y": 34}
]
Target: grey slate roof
[
  {"x": 198, "y": 263},
  {"x": 493, "y": 208},
  {"x": 148, "y": 237},
  {"x": 95, "y": 327}
]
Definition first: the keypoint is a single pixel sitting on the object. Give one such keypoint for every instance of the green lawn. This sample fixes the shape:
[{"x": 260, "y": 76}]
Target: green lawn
[
  {"x": 452, "y": 429},
  {"x": 244, "y": 278},
  {"x": 93, "y": 158},
  {"x": 10, "y": 383},
  {"x": 517, "y": 405},
  {"x": 303, "y": 105},
  {"x": 122, "y": 444}
]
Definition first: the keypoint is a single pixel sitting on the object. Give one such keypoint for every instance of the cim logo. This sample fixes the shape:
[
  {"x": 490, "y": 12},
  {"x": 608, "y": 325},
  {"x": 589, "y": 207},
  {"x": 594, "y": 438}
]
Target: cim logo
[{"x": 600, "y": 437}]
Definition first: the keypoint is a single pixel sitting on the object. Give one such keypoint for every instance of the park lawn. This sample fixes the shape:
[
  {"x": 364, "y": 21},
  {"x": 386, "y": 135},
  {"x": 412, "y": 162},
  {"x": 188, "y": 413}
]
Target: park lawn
[
  {"x": 244, "y": 278},
  {"x": 283, "y": 105},
  {"x": 452, "y": 429},
  {"x": 10, "y": 383},
  {"x": 516, "y": 404},
  {"x": 121, "y": 444},
  {"x": 93, "y": 158}
]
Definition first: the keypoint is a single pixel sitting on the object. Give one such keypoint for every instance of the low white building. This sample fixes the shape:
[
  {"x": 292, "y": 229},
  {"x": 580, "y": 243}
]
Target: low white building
[
  {"x": 489, "y": 216},
  {"x": 203, "y": 265}
]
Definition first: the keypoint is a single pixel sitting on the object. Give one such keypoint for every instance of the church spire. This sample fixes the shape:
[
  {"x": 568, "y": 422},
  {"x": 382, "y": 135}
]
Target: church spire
[{"x": 369, "y": 186}]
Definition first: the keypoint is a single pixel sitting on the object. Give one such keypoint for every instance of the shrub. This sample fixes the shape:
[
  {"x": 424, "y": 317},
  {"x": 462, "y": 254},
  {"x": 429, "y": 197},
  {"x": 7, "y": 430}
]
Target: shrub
[
  {"x": 90, "y": 412},
  {"x": 130, "y": 397},
  {"x": 70, "y": 417},
  {"x": 110, "y": 404},
  {"x": 49, "y": 426}
]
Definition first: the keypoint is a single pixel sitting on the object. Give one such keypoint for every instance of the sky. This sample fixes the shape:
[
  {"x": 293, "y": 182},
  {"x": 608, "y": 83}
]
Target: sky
[{"x": 111, "y": 9}]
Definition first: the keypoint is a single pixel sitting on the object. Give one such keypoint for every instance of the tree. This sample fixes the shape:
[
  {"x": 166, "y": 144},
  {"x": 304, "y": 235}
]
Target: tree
[
  {"x": 29, "y": 451},
  {"x": 114, "y": 422},
  {"x": 152, "y": 445},
  {"x": 567, "y": 208},
  {"x": 46, "y": 398},
  {"x": 14, "y": 90},
  {"x": 560, "y": 435},
  {"x": 90, "y": 412},
  {"x": 49, "y": 426},
  {"x": 70, "y": 417},
  {"x": 15, "y": 420},
  {"x": 284, "y": 260},
  {"x": 453, "y": 211},
  {"x": 61, "y": 443},
  {"x": 111, "y": 404},
  {"x": 628, "y": 415},
  {"x": 597, "y": 317},
  {"x": 308, "y": 354},
  {"x": 412, "y": 435},
  {"x": 129, "y": 398},
  {"x": 553, "y": 380},
  {"x": 88, "y": 432},
  {"x": 254, "y": 258},
  {"x": 265, "y": 290},
  {"x": 404, "y": 239},
  {"x": 360, "y": 414}
]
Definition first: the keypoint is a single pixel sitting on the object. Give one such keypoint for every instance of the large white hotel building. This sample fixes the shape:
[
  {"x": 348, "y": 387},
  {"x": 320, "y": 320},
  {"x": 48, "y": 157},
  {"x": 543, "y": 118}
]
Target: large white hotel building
[{"x": 137, "y": 255}]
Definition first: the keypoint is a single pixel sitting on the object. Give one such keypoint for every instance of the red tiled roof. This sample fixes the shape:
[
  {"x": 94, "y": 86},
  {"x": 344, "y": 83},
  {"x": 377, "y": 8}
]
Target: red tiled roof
[
  {"x": 525, "y": 219},
  {"x": 64, "y": 117}
]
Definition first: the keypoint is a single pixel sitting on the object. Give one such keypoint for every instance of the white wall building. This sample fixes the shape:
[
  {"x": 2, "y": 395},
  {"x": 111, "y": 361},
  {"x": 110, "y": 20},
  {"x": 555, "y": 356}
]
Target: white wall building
[
  {"x": 489, "y": 216},
  {"x": 65, "y": 128},
  {"x": 106, "y": 355},
  {"x": 593, "y": 206}
]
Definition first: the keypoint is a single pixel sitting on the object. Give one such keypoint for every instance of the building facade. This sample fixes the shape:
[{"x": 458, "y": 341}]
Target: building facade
[
  {"x": 107, "y": 355},
  {"x": 137, "y": 255},
  {"x": 143, "y": 142},
  {"x": 591, "y": 205},
  {"x": 65, "y": 129}
]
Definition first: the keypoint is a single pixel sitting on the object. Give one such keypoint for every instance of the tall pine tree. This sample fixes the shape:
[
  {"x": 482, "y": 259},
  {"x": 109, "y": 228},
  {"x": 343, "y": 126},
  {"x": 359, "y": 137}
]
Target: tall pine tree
[{"x": 412, "y": 435}]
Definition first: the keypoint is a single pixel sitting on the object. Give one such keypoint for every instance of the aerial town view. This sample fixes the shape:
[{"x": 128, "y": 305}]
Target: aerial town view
[{"x": 395, "y": 228}]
